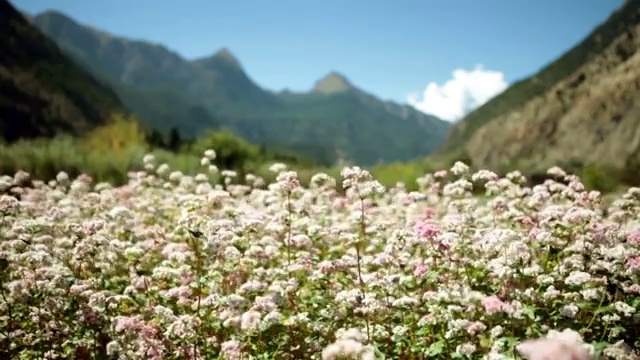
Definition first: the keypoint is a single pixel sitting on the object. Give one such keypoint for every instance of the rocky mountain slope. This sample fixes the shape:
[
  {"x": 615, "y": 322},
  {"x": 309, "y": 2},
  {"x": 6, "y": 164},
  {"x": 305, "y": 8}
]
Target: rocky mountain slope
[
  {"x": 335, "y": 120},
  {"x": 581, "y": 109},
  {"x": 42, "y": 92}
]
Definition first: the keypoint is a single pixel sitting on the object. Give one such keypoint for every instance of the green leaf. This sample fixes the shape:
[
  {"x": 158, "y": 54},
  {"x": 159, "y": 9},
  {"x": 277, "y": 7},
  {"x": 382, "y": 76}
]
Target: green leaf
[
  {"x": 530, "y": 312},
  {"x": 512, "y": 342},
  {"x": 604, "y": 309},
  {"x": 436, "y": 348},
  {"x": 486, "y": 342},
  {"x": 599, "y": 347}
]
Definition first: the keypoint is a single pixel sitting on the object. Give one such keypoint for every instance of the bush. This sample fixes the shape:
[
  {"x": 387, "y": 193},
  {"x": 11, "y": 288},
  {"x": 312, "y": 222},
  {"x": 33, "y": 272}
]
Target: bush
[{"x": 600, "y": 178}]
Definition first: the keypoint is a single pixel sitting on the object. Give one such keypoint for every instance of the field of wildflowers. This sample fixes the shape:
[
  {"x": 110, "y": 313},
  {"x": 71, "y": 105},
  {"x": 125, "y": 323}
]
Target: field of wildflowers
[{"x": 172, "y": 266}]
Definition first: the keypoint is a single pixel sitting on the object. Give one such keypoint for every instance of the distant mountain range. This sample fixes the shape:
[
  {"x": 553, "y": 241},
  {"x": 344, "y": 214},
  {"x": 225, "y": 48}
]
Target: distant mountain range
[
  {"x": 43, "y": 93},
  {"x": 335, "y": 120},
  {"x": 583, "y": 108}
]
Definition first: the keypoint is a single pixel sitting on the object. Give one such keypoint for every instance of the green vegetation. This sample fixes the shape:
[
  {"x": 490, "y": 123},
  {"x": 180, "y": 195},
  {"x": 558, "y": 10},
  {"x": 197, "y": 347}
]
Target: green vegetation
[
  {"x": 110, "y": 161},
  {"x": 601, "y": 177},
  {"x": 109, "y": 152},
  {"x": 45, "y": 158}
]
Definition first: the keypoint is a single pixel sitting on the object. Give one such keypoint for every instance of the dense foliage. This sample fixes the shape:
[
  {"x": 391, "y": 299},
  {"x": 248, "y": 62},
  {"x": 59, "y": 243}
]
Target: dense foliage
[{"x": 172, "y": 266}]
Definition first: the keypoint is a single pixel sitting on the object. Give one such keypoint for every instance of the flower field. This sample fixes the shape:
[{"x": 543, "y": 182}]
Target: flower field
[{"x": 172, "y": 266}]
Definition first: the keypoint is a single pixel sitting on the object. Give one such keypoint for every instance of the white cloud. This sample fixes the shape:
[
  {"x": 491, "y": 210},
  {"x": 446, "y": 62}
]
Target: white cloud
[{"x": 467, "y": 90}]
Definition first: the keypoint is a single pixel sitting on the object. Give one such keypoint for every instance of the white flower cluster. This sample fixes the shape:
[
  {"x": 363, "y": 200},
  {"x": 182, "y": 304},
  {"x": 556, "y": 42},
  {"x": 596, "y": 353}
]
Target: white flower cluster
[{"x": 349, "y": 345}]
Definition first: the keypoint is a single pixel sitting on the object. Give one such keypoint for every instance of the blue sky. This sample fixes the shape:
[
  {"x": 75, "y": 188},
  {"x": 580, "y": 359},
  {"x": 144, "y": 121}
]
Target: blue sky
[{"x": 393, "y": 49}]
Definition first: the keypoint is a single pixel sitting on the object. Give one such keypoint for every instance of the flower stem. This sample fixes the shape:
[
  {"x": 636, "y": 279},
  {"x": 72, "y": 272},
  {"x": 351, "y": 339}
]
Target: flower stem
[{"x": 363, "y": 238}]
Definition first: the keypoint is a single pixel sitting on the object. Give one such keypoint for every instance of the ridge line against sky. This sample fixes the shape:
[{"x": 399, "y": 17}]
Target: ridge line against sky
[{"x": 442, "y": 57}]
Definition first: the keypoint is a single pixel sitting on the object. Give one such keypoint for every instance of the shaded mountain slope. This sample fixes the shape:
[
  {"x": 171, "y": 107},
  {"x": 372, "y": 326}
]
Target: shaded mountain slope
[
  {"x": 161, "y": 108},
  {"x": 42, "y": 92}
]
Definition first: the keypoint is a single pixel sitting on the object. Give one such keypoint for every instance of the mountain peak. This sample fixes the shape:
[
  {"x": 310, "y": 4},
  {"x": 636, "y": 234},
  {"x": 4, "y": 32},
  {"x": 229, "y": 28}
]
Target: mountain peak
[
  {"x": 222, "y": 58},
  {"x": 53, "y": 18},
  {"x": 226, "y": 56},
  {"x": 53, "y": 13},
  {"x": 332, "y": 83}
]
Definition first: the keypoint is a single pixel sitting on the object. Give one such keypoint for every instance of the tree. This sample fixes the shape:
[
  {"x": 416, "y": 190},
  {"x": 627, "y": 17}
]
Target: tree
[
  {"x": 175, "y": 140},
  {"x": 118, "y": 138},
  {"x": 155, "y": 139},
  {"x": 232, "y": 152}
]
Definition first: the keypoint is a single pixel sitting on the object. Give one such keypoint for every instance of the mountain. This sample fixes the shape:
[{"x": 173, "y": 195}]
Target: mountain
[
  {"x": 581, "y": 109},
  {"x": 42, "y": 92},
  {"x": 362, "y": 126},
  {"x": 334, "y": 120}
]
